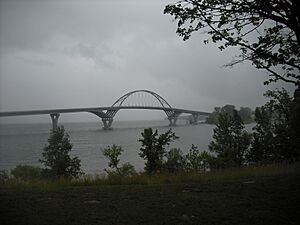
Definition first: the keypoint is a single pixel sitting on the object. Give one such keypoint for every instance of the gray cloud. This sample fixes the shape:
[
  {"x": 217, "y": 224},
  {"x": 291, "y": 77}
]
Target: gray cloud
[{"x": 59, "y": 54}]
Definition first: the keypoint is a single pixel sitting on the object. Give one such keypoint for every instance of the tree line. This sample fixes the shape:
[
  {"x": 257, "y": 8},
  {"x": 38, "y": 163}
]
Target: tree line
[
  {"x": 275, "y": 139},
  {"x": 245, "y": 113}
]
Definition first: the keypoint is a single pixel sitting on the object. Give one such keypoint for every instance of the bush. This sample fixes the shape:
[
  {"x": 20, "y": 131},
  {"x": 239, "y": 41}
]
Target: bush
[
  {"x": 26, "y": 172},
  {"x": 113, "y": 153},
  {"x": 175, "y": 161},
  {"x": 126, "y": 170},
  {"x": 198, "y": 161},
  {"x": 3, "y": 176}
]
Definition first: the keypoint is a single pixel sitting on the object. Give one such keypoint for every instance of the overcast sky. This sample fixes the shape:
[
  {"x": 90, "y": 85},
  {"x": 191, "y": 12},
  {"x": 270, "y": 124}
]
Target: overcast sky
[{"x": 87, "y": 53}]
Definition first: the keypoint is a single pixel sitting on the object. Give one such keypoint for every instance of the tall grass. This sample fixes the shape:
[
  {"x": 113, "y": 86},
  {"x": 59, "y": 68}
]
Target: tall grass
[{"x": 249, "y": 172}]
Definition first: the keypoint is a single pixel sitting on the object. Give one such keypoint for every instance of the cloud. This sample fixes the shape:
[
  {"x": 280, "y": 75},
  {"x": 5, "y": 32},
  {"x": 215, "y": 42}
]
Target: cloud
[{"x": 59, "y": 54}]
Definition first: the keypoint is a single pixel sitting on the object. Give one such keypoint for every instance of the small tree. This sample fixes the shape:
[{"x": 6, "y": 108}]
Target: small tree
[
  {"x": 175, "y": 161},
  {"x": 113, "y": 153},
  {"x": 56, "y": 156},
  {"x": 231, "y": 141},
  {"x": 198, "y": 161},
  {"x": 153, "y": 148}
]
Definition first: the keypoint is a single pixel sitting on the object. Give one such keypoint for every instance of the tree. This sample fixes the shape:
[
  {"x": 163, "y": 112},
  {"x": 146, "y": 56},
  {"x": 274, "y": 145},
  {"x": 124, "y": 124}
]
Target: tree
[
  {"x": 281, "y": 104},
  {"x": 295, "y": 121},
  {"x": 113, "y": 153},
  {"x": 153, "y": 148},
  {"x": 213, "y": 117},
  {"x": 231, "y": 141},
  {"x": 275, "y": 136},
  {"x": 267, "y": 32},
  {"x": 56, "y": 156},
  {"x": 262, "y": 147},
  {"x": 245, "y": 113}
]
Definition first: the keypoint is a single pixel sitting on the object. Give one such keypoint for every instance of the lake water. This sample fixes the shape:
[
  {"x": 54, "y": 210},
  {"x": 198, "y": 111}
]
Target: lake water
[{"x": 23, "y": 143}]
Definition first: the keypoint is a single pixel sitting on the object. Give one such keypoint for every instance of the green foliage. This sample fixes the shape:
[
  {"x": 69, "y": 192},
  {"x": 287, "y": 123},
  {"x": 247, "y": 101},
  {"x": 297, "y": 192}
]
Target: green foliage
[
  {"x": 245, "y": 172},
  {"x": 198, "y": 161},
  {"x": 175, "y": 161},
  {"x": 3, "y": 176},
  {"x": 274, "y": 137},
  {"x": 153, "y": 148},
  {"x": 194, "y": 161},
  {"x": 245, "y": 113},
  {"x": 295, "y": 122},
  {"x": 113, "y": 153},
  {"x": 56, "y": 156},
  {"x": 231, "y": 140},
  {"x": 213, "y": 117},
  {"x": 266, "y": 32},
  {"x": 126, "y": 170},
  {"x": 26, "y": 172}
]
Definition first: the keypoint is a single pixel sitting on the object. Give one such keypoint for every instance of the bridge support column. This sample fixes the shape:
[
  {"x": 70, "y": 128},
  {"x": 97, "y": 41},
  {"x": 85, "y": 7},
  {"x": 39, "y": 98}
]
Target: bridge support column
[
  {"x": 107, "y": 122},
  {"x": 172, "y": 117},
  {"x": 172, "y": 121},
  {"x": 54, "y": 118},
  {"x": 107, "y": 117}
]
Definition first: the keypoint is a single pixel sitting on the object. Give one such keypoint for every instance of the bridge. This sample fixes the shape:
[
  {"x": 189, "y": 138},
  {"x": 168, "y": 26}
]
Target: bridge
[{"x": 107, "y": 114}]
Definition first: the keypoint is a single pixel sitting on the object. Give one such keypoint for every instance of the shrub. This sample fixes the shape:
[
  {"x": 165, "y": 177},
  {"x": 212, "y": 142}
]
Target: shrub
[
  {"x": 113, "y": 153},
  {"x": 126, "y": 170},
  {"x": 175, "y": 161},
  {"x": 27, "y": 172},
  {"x": 197, "y": 160},
  {"x": 3, "y": 176}
]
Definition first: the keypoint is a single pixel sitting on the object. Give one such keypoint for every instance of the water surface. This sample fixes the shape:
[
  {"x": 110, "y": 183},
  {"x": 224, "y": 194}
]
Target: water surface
[{"x": 23, "y": 143}]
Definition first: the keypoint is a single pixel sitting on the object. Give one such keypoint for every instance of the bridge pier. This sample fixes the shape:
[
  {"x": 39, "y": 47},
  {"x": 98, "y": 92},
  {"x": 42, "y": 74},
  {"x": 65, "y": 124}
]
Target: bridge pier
[
  {"x": 172, "y": 121},
  {"x": 54, "y": 118},
  {"x": 107, "y": 122},
  {"x": 172, "y": 117},
  {"x": 107, "y": 118}
]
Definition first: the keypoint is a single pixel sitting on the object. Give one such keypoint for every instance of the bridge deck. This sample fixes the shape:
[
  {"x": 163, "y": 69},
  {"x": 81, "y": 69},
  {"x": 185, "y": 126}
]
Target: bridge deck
[{"x": 74, "y": 110}]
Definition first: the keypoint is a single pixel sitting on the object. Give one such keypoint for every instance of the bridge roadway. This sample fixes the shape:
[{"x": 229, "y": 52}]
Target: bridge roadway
[{"x": 107, "y": 113}]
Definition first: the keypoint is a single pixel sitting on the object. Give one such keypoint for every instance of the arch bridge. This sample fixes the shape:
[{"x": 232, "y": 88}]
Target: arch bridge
[{"x": 138, "y": 99}]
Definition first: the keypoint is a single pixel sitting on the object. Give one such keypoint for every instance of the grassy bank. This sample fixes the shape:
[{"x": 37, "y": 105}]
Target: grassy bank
[{"x": 261, "y": 195}]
